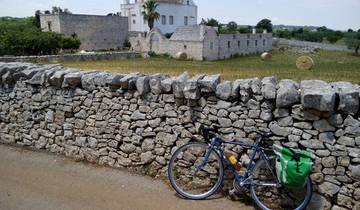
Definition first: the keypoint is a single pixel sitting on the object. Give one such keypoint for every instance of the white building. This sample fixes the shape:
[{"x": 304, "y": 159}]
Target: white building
[{"x": 173, "y": 14}]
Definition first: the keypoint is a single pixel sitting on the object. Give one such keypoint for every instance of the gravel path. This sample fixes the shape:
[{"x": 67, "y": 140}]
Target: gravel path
[{"x": 40, "y": 181}]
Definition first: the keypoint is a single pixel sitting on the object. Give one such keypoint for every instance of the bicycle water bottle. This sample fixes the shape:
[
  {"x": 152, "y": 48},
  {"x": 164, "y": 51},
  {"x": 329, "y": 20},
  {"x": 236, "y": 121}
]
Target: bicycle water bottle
[{"x": 233, "y": 159}]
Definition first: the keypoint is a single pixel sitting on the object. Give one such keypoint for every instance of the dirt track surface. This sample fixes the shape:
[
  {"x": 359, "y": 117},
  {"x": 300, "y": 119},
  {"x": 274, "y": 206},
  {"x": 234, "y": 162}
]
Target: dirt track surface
[{"x": 40, "y": 181}]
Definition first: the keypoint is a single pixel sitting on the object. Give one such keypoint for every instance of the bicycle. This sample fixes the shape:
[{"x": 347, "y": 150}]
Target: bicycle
[{"x": 196, "y": 171}]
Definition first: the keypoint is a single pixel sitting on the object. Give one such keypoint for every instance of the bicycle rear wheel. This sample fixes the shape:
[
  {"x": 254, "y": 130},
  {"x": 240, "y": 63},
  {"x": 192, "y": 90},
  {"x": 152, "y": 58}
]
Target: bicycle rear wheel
[
  {"x": 191, "y": 175},
  {"x": 267, "y": 194}
]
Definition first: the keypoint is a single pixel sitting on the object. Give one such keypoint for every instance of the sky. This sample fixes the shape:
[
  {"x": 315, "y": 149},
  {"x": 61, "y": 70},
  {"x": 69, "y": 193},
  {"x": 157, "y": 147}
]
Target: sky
[{"x": 335, "y": 14}]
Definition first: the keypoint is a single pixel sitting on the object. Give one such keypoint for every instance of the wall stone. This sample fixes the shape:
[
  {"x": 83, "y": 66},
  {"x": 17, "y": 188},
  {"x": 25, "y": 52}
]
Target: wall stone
[
  {"x": 71, "y": 57},
  {"x": 136, "y": 121}
]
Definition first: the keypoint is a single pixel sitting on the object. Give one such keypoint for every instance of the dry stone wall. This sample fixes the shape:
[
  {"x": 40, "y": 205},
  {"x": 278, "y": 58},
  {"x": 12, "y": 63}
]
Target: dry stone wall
[{"x": 136, "y": 121}]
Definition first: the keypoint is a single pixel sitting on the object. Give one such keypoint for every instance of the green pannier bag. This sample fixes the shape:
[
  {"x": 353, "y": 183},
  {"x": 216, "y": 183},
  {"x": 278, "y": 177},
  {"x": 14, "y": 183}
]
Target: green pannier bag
[{"x": 293, "y": 167}]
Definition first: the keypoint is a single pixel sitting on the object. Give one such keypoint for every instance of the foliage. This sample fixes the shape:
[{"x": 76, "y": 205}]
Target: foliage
[
  {"x": 319, "y": 35},
  {"x": 36, "y": 21},
  {"x": 264, "y": 24},
  {"x": 330, "y": 66},
  {"x": 232, "y": 26},
  {"x": 59, "y": 10},
  {"x": 127, "y": 43},
  {"x": 23, "y": 37},
  {"x": 245, "y": 30},
  {"x": 71, "y": 42},
  {"x": 352, "y": 40},
  {"x": 150, "y": 14},
  {"x": 210, "y": 22}
]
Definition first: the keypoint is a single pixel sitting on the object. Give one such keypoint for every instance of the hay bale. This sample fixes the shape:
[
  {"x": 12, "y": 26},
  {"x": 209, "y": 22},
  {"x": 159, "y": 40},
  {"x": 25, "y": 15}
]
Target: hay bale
[
  {"x": 181, "y": 56},
  {"x": 266, "y": 56},
  {"x": 305, "y": 63}
]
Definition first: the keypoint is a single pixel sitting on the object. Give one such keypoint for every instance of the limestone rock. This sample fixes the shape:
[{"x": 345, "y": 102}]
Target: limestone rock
[
  {"x": 323, "y": 126},
  {"x": 208, "y": 84},
  {"x": 223, "y": 90},
  {"x": 191, "y": 88},
  {"x": 279, "y": 131},
  {"x": 179, "y": 85},
  {"x": 142, "y": 85},
  {"x": 318, "y": 95},
  {"x": 268, "y": 88},
  {"x": 349, "y": 97},
  {"x": 287, "y": 94},
  {"x": 72, "y": 80},
  {"x": 328, "y": 188}
]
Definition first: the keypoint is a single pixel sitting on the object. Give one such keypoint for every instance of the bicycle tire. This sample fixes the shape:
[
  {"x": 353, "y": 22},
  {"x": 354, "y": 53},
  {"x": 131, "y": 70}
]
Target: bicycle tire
[
  {"x": 261, "y": 205},
  {"x": 174, "y": 182}
]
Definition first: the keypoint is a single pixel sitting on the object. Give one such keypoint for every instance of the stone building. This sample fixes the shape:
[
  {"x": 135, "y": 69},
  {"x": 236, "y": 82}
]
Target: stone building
[
  {"x": 201, "y": 42},
  {"x": 95, "y": 32},
  {"x": 173, "y": 14}
]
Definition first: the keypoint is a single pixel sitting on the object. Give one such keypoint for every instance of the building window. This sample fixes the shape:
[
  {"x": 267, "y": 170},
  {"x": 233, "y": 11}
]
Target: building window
[
  {"x": 238, "y": 44},
  {"x": 134, "y": 21},
  {"x": 186, "y": 20},
  {"x": 248, "y": 43},
  {"x": 248, "y": 36},
  {"x": 264, "y": 42},
  {"x": 211, "y": 45},
  {"x": 171, "y": 20},
  {"x": 185, "y": 47},
  {"x": 256, "y": 43},
  {"x": 229, "y": 44},
  {"x": 163, "y": 19},
  {"x": 49, "y": 25},
  {"x": 188, "y": 2},
  {"x": 234, "y": 36},
  {"x": 260, "y": 36}
]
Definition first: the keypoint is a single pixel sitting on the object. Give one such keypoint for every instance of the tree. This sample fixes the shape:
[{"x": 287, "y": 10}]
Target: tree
[
  {"x": 150, "y": 14},
  {"x": 359, "y": 31},
  {"x": 350, "y": 30},
  {"x": 210, "y": 22},
  {"x": 334, "y": 36},
  {"x": 245, "y": 30},
  {"x": 353, "y": 42},
  {"x": 322, "y": 29},
  {"x": 264, "y": 24},
  {"x": 59, "y": 10},
  {"x": 36, "y": 21},
  {"x": 232, "y": 27}
]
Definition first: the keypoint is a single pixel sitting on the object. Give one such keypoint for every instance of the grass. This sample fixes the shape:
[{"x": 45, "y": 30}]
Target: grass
[{"x": 329, "y": 66}]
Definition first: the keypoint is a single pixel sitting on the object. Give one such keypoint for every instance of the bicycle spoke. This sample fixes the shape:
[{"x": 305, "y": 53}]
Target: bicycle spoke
[
  {"x": 268, "y": 194},
  {"x": 195, "y": 172}
]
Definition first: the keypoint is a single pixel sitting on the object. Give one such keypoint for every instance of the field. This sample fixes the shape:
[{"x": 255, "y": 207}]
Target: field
[{"x": 329, "y": 66}]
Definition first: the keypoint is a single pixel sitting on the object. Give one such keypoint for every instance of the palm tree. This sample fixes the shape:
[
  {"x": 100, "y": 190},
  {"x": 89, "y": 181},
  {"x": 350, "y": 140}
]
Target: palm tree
[{"x": 150, "y": 13}]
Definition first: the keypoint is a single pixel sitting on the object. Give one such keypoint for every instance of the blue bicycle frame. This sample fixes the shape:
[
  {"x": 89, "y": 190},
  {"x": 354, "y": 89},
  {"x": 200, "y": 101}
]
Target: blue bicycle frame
[{"x": 216, "y": 145}]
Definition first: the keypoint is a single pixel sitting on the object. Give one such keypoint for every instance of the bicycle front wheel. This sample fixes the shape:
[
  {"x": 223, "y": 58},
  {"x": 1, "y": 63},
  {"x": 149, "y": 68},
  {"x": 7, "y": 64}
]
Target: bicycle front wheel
[
  {"x": 267, "y": 193},
  {"x": 195, "y": 171}
]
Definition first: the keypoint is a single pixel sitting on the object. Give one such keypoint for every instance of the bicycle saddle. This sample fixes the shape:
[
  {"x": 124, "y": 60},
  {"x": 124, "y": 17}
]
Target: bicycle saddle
[{"x": 265, "y": 134}]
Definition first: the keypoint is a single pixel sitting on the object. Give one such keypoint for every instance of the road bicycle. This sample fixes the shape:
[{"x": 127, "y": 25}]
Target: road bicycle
[{"x": 196, "y": 171}]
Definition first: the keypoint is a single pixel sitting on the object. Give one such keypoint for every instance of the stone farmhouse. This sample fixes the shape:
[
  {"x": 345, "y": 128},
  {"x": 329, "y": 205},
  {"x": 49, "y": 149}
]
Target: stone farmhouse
[
  {"x": 173, "y": 14},
  {"x": 201, "y": 42},
  {"x": 96, "y": 32},
  {"x": 178, "y": 20}
]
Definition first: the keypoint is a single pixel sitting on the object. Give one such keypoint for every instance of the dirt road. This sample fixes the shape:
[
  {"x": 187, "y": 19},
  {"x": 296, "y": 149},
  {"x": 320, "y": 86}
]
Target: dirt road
[{"x": 40, "y": 181}]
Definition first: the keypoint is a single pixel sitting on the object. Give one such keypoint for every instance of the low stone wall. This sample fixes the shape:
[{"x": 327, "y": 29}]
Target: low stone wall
[
  {"x": 72, "y": 57},
  {"x": 136, "y": 121},
  {"x": 324, "y": 46}
]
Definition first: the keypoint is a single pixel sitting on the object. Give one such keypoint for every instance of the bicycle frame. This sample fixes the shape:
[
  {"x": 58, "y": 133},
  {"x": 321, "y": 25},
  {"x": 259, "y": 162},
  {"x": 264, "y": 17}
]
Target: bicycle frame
[{"x": 216, "y": 144}]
